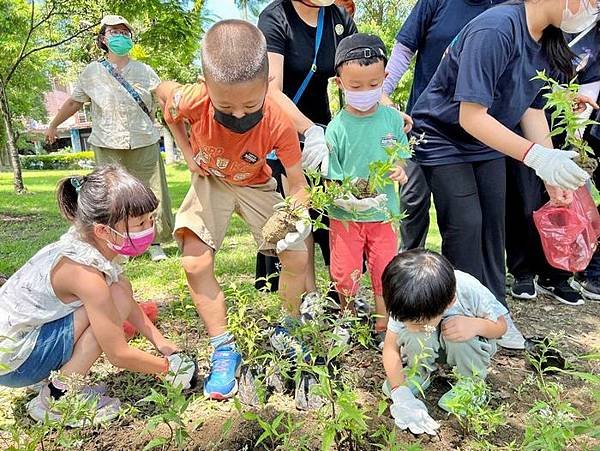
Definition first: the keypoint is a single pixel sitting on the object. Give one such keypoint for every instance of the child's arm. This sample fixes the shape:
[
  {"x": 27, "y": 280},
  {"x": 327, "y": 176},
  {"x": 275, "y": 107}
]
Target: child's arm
[
  {"x": 463, "y": 328},
  {"x": 162, "y": 93},
  {"x": 142, "y": 323},
  {"x": 297, "y": 184},
  {"x": 392, "y": 361},
  {"x": 90, "y": 287}
]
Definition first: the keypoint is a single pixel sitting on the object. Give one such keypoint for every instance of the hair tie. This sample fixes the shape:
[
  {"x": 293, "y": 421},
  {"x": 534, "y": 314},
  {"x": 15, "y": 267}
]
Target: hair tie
[{"x": 77, "y": 182}]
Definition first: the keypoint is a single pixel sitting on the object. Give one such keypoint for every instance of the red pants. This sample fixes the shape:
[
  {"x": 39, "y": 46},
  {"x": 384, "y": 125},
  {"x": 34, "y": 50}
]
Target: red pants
[{"x": 349, "y": 242}]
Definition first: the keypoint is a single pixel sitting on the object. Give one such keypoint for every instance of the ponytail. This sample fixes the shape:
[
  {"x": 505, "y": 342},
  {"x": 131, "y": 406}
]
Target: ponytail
[
  {"x": 558, "y": 52},
  {"x": 67, "y": 196}
]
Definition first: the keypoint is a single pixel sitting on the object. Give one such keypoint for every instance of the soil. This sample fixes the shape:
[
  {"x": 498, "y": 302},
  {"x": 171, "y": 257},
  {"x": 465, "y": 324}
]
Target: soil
[
  {"x": 589, "y": 165},
  {"x": 278, "y": 226},
  {"x": 218, "y": 426},
  {"x": 363, "y": 191}
]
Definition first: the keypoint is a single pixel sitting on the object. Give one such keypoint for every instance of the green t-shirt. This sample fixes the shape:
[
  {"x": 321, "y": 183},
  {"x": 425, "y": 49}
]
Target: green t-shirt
[{"x": 355, "y": 142}]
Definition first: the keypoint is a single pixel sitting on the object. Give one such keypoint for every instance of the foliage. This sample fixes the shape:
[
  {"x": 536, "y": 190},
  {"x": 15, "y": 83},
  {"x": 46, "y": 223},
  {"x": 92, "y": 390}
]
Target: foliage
[
  {"x": 171, "y": 406},
  {"x": 62, "y": 160},
  {"x": 561, "y": 99}
]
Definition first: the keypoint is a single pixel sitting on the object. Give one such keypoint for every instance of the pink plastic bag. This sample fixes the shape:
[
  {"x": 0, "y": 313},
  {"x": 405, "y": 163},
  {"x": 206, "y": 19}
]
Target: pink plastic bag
[{"x": 569, "y": 234}]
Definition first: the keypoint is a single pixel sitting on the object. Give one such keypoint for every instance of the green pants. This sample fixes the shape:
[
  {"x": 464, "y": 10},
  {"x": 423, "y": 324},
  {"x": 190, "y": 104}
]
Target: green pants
[
  {"x": 146, "y": 164},
  {"x": 423, "y": 349}
]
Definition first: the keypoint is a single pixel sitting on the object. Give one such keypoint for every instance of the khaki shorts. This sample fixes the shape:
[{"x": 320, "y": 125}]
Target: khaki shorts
[{"x": 210, "y": 202}]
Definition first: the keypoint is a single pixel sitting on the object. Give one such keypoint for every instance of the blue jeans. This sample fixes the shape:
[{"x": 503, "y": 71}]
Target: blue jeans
[{"x": 53, "y": 348}]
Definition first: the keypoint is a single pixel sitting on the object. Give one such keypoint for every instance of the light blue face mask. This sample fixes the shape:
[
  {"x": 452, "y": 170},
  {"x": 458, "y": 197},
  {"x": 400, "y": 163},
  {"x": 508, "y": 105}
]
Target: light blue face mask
[{"x": 119, "y": 44}]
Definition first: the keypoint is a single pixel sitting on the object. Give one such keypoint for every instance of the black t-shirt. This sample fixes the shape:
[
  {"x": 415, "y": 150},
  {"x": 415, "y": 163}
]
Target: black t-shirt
[{"x": 288, "y": 35}]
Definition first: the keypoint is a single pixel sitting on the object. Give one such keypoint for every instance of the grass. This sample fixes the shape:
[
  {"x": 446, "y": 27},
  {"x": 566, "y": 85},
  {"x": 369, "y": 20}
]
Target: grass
[{"x": 31, "y": 221}]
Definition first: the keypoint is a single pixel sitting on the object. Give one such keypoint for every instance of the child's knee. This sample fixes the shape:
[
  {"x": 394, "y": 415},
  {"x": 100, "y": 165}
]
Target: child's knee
[{"x": 470, "y": 358}]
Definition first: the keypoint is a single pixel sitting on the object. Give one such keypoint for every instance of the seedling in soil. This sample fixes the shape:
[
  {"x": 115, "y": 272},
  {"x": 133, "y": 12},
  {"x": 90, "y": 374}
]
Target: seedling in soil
[
  {"x": 561, "y": 98},
  {"x": 283, "y": 221},
  {"x": 544, "y": 356}
]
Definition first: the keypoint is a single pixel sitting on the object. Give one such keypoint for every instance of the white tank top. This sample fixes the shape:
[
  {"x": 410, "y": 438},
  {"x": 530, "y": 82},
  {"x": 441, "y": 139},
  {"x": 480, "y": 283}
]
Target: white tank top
[{"x": 28, "y": 301}]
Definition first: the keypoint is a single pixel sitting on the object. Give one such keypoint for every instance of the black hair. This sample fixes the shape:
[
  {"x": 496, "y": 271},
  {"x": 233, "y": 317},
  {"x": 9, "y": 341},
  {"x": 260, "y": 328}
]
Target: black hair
[
  {"x": 418, "y": 285},
  {"x": 361, "y": 62},
  {"x": 101, "y": 45},
  {"x": 106, "y": 196},
  {"x": 556, "y": 48},
  {"x": 234, "y": 51}
]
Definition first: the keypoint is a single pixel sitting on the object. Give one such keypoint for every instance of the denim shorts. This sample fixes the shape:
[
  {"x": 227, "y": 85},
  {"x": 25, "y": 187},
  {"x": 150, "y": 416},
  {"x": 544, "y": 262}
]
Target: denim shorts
[{"x": 53, "y": 348}]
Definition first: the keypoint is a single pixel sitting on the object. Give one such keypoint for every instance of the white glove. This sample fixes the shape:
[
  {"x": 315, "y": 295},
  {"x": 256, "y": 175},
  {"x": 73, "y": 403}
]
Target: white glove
[
  {"x": 303, "y": 229},
  {"x": 556, "y": 167},
  {"x": 182, "y": 369},
  {"x": 352, "y": 204},
  {"x": 410, "y": 413},
  {"x": 315, "y": 150}
]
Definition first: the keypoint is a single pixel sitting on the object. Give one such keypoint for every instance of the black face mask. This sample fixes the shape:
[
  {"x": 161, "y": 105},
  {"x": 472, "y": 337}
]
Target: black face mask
[{"x": 239, "y": 124}]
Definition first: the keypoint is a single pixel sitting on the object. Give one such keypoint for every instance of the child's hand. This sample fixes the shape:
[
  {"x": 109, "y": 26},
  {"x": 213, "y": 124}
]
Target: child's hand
[
  {"x": 167, "y": 348},
  {"x": 460, "y": 328},
  {"x": 193, "y": 166},
  {"x": 398, "y": 175},
  {"x": 410, "y": 413}
]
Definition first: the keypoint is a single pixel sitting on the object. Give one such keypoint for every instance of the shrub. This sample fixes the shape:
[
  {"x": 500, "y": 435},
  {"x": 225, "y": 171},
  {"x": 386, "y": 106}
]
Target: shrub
[{"x": 59, "y": 161}]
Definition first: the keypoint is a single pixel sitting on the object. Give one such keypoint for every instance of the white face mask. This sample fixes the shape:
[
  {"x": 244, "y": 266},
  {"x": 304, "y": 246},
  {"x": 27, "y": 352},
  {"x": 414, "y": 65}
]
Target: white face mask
[
  {"x": 322, "y": 2},
  {"x": 363, "y": 100},
  {"x": 581, "y": 20}
]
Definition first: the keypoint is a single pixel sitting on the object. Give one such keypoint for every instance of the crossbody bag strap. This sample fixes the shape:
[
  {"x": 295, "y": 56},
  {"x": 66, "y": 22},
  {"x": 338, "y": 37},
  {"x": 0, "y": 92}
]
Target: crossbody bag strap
[
  {"x": 127, "y": 86},
  {"x": 313, "y": 68}
]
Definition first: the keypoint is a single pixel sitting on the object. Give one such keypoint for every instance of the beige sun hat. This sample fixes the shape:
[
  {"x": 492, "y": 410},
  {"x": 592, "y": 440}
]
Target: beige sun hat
[{"x": 112, "y": 20}]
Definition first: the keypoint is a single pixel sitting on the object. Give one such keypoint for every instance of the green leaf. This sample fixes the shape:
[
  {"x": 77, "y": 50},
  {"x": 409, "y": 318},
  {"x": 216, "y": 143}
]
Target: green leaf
[
  {"x": 328, "y": 439},
  {"x": 155, "y": 443}
]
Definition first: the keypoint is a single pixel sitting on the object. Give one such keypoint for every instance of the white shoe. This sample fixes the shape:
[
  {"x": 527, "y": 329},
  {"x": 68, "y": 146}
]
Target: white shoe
[
  {"x": 156, "y": 253},
  {"x": 512, "y": 339},
  {"x": 105, "y": 409}
]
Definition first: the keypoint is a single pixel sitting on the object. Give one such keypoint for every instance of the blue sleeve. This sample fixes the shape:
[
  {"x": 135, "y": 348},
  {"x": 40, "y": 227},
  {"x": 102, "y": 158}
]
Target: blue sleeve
[
  {"x": 415, "y": 28},
  {"x": 483, "y": 59}
]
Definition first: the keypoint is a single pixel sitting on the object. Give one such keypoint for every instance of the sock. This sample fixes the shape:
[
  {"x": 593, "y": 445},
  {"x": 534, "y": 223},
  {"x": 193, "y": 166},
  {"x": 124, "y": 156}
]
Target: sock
[
  {"x": 57, "y": 390},
  {"x": 225, "y": 339}
]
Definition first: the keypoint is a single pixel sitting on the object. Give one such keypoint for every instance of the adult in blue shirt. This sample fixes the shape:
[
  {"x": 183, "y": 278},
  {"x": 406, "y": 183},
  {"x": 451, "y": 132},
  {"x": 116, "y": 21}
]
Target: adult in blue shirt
[
  {"x": 526, "y": 193},
  {"x": 481, "y": 91},
  {"x": 427, "y": 32}
]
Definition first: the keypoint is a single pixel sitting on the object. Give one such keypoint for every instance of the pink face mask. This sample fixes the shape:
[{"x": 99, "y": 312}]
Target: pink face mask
[{"x": 134, "y": 244}]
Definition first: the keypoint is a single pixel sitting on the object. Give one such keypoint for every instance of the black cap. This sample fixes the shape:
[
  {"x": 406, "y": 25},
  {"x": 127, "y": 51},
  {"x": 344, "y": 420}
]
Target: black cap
[{"x": 359, "y": 46}]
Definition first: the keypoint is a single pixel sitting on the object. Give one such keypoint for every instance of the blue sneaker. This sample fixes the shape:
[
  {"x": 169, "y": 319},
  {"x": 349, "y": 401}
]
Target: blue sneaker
[{"x": 221, "y": 383}]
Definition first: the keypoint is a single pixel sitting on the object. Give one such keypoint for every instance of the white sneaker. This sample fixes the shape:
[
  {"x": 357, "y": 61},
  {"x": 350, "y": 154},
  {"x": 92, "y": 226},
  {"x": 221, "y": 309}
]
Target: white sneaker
[
  {"x": 156, "y": 253},
  {"x": 105, "y": 408},
  {"x": 512, "y": 339}
]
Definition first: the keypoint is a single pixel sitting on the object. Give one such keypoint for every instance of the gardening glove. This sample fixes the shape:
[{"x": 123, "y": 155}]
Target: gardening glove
[
  {"x": 315, "y": 150},
  {"x": 182, "y": 370},
  {"x": 303, "y": 229},
  {"x": 556, "y": 167},
  {"x": 410, "y": 413},
  {"x": 352, "y": 204}
]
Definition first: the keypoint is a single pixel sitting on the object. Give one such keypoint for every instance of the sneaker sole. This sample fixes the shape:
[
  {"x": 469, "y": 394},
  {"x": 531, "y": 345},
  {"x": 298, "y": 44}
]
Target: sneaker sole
[
  {"x": 224, "y": 396},
  {"x": 586, "y": 294},
  {"x": 552, "y": 295},
  {"x": 523, "y": 296}
]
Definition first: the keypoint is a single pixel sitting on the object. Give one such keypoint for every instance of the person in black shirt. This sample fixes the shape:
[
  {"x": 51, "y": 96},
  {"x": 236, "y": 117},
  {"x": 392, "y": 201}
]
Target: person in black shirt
[{"x": 290, "y": 27}]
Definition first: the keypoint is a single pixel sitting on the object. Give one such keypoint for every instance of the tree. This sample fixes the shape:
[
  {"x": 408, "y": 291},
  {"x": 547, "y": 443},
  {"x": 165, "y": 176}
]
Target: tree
[
  {"x": 252, "y": 6},
  {"x": 169, "y": 39}
]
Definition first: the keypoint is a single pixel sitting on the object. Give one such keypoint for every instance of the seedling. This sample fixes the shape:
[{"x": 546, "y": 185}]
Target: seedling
[
  {"x": 561, "y": 99},
  {"x": 282, "y": 222}
]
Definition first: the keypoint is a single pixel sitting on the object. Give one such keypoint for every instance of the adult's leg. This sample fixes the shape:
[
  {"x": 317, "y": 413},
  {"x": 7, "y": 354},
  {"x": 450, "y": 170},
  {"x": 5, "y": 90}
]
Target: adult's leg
[
  {"x": 457, "y": 204},
  {"x": 86, "y": 349},
  {"x": 491, "y": 187},
  {"x": 415, "y": 200}
]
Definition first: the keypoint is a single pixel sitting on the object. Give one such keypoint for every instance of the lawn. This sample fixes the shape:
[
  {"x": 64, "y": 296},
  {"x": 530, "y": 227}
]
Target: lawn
[{"x": 527, "y": 410}]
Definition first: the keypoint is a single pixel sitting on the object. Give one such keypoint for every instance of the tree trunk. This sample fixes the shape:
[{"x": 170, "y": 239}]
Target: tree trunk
[{"x": 11, "y": 142}]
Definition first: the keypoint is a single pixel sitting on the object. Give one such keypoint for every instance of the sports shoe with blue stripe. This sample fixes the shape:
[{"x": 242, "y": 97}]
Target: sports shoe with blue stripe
[{"x": 221, "y": 383}]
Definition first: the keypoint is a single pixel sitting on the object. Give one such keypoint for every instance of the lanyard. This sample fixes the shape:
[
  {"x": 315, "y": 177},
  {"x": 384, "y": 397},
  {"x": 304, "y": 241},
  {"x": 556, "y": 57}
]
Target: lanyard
[{"x": 313, "y": 68}]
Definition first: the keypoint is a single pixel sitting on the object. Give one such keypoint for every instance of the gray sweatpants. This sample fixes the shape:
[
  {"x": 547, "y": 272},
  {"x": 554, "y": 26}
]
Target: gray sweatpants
[{"x": 424, "y": 349}]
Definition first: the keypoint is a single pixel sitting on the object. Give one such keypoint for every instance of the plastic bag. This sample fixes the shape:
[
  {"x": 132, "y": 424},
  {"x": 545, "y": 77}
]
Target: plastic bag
[{"x": 569, "y": 234}]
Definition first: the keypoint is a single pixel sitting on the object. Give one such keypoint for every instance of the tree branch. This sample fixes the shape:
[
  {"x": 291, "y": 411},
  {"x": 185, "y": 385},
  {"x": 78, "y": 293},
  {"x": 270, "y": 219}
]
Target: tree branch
[{"x": 45, "y": 47}]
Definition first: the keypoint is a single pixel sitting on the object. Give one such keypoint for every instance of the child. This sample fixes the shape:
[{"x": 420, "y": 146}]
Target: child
[
  {"x": 66, "y": 305},
  {"x": 358, "y": 136},
  {"x": 434, "y": 310},
  {"x": 234, "y": 125}
]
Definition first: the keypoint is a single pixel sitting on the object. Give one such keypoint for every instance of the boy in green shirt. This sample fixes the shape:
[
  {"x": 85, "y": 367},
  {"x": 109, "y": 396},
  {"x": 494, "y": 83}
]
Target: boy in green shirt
[{"x": 358, "y": 136}]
